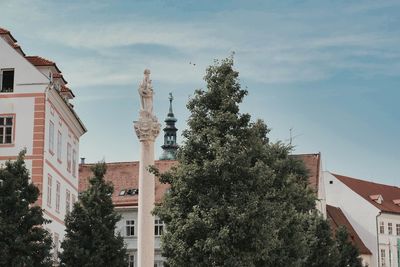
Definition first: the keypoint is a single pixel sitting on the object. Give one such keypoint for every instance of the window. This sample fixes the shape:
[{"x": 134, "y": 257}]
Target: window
[
  {"x": 69, "y": 157},
  {"x": 51, "y": 137},
  {"x": 158, "y": 227},
  {"x": 381, "y": 227},
  {"x": 59, "y": 146},
  {"x": 398, "y": 229},
  {"x": 131, "y": 260},
  {"x": 58, "y": 189},
  {"x": 6, "y": 129},
  {"x": 158, "y": 263},
  {"x": 67, "y": 201},
  {"x": 130, "y": 228},
  {"x": 383, "y": 258},
  {"x": 56, "y": 245},
  {"x": 73, "y": 200},
  {"x": 49, "y": 189},
  {"x": 74, "y": 163},
  {"x": 7, "y": 80},
  {"x": 390, "y": 229}
]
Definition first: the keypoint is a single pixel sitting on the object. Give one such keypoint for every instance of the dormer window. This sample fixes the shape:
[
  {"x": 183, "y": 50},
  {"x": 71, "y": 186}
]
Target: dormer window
[
  {"x": 377, "y": 198},
  {"x": 6, "y": 80},
  {"x": 396, "y": 202}
]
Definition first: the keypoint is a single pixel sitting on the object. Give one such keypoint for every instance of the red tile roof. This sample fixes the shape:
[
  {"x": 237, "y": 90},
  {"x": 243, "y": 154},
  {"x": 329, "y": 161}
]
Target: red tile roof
[
  {"x": 57, "y": 75},
  {"x": 65, "y": 89},
  {"x": 5, "y": 31},
  {"x": 40, "y": 61},
  {"x": 125, "y": 175},
  {"x": 367, "y": 189},
  {"x": 337, "y": 218},
  {"x": 313, "y": 164}
]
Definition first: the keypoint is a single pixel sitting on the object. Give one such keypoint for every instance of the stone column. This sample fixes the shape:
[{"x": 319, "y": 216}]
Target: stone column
[{"x": 147, "y": 129}]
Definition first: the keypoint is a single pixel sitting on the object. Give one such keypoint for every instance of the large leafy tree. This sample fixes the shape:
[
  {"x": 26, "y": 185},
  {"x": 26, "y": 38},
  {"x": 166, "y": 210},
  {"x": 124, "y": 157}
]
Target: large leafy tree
[
  {"x": 235, "y": 199},
  {"x": 322, "y": 246},
  {"x": 23, "y": 240},
  {"x": 90, "y": 228},
  {"x": 348, "y": 254}
]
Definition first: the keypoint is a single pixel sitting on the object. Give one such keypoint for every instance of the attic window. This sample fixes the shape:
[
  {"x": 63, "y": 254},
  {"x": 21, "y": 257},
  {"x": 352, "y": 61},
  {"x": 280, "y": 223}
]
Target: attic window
[
  {"x": 396, "y": 202},
  {"x": 377, "y": 198},
  {"x": 129, "y": 192},
  {"x": 7, "y": 80}
]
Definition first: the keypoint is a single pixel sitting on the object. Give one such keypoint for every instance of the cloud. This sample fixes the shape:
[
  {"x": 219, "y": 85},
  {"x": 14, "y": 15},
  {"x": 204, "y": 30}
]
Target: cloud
[{"x": 305, "y": 44}]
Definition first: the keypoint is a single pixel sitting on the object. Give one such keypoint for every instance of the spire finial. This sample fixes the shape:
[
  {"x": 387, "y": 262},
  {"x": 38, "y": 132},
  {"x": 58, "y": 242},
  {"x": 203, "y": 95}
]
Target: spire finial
[{"x": 170, "y": 102}]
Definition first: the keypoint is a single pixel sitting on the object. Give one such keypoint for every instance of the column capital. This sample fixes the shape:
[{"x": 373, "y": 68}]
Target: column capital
[{"x": 147, "y": 127}]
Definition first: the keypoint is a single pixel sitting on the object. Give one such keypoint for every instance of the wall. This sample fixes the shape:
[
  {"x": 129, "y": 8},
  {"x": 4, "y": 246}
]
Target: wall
[{"x": 360, "y": 213}]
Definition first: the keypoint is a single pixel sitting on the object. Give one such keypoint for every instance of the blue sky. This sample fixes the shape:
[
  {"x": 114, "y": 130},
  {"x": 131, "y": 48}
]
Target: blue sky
[{"x": 328, "y": 69}]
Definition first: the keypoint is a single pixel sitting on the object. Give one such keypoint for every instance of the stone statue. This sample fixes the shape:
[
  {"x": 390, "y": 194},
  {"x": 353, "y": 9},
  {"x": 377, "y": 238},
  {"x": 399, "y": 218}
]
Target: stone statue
[
  {"x": 146, "y": 92},
  {"x": 147, "y": 127}
]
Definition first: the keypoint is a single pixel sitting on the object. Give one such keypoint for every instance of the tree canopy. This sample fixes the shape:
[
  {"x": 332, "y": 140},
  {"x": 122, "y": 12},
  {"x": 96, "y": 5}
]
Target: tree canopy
[
  {"x": 23, "y": 239},
  {"x": 90, "y": 238},
  {"x": 236, "y": 199}
]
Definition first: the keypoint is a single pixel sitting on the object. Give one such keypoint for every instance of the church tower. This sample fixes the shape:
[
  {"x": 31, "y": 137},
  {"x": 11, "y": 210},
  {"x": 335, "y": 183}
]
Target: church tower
[{"x": 170, "y": 146}]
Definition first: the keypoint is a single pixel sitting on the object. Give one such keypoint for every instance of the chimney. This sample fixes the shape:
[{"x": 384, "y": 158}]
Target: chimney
[{"x": 83, "y": 160}]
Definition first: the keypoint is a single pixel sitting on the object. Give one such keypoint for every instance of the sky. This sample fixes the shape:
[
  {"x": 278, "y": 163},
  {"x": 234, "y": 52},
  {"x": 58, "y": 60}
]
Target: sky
[{"x": 328, "y": 70}]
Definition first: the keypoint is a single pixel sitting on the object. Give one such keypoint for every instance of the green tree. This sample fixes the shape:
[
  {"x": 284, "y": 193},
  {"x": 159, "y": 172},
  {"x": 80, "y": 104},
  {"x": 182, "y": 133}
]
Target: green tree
[
  {"x": 23, "y": 240},
  {"x": 235, "y": 198},
  {"x": 348, "y": 254},
  {"x": 90, "y": 228},
  {"x": 322, "y": 246}
]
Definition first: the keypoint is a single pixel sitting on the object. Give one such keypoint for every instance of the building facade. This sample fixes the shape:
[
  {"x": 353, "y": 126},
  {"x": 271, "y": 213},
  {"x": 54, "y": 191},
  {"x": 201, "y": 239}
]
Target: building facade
[
  {"x": 36, "y": 115},
  {"x": 373, "y": 210}
]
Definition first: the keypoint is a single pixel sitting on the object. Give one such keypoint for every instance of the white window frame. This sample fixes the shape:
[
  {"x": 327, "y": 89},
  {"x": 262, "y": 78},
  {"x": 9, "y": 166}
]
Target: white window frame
[
  {"x": 49, "y": 189},
  {"x": 56, "y": 246},
  {"x": 1, "y": 80},
  {"x": 131, "y": 260},
  {"x": 390, "y": 228},
  {"x": 383, "y": 257},
  {"x": 129, "y": 225},
  {"x": 67, "y": 201},
  {"x": 73, "y": 200},
  {"x": 4, "y": 128},
  {"x": 158, "y": 227},
  {"x": 398, "y": 229},
  {"x": 58, "y": 195},
  {"x": 74, "y": 163},
  {"x": 382, "y": 228},
  {"x": 59, "y": 146},
  {"x": 69, "y": 163},
  {"x": 51, "y": 137}
]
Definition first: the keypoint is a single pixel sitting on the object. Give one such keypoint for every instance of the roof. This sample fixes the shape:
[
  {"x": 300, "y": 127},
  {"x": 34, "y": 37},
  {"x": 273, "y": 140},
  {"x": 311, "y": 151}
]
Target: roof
[
  {"x": 125, "y": 175},
  {"x": 65, "y": 89},
  {"x": 368, "y": 190},
  {"x": 313, "y": 165},
  {"x": 337, "y": 218},
  {"x": 40, "y": 61},
  {"x": 5, "y": 31},
  {"x": 57, "y": 75}
]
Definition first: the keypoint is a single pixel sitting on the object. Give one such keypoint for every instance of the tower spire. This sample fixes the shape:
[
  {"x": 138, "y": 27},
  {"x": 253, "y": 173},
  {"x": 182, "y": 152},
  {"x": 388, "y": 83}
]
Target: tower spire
[{"x": 170, "y": 146}]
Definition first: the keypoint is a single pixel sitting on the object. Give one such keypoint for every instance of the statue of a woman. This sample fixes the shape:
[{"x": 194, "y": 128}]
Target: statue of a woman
[{"x": 146, "y": 92}]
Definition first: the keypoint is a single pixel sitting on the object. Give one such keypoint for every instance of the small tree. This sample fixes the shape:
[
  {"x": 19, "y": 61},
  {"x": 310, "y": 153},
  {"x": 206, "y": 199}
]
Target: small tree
[
  {"x": 348, "y": 254},
  {"x": 23, "y": 240},
  {"x": 235, "y": 199},
  {"x": 90, "y": 228},
  {"x": 322, "y": 246}
]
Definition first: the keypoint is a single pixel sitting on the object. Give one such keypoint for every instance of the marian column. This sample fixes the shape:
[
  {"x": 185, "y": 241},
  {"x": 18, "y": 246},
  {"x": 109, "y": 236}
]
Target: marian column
[{"x": 147, "y": 129}]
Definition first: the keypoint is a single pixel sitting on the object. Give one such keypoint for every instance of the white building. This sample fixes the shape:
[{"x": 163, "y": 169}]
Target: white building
[
  {"x": 35, "y": 114},
  {"x": 373, "y": 210}
]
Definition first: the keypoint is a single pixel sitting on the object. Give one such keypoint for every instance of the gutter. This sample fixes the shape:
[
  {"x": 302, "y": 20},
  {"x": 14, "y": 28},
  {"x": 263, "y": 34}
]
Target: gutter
[{"x": 377, "y": 238}]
